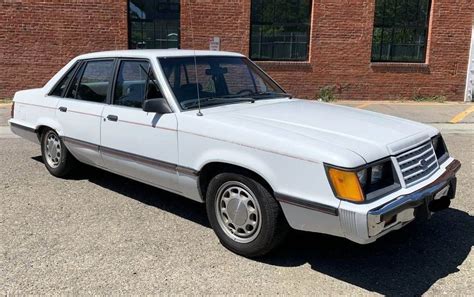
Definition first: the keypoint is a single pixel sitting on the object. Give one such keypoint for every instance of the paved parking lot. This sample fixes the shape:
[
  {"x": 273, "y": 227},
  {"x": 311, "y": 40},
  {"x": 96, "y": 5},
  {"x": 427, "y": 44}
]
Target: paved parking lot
[{"x": 100, "y": 233}]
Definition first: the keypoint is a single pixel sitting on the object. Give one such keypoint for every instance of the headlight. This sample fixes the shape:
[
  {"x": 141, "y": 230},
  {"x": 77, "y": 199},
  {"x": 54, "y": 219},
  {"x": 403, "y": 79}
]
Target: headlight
[
  {"x": 363, "y": 184},
  {"x": 362, "y": 175},
  {"x": 377, "y": 174},
  {"x": 440, "y": 148}
]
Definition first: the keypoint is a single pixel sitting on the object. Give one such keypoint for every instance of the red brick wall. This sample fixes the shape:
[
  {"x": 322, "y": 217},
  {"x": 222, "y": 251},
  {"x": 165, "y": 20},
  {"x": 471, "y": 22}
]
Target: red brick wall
[
  {"x": 227, "y": 19},
  {"x": 37, "y": 38},
  {"x": 340, "y": 50}
]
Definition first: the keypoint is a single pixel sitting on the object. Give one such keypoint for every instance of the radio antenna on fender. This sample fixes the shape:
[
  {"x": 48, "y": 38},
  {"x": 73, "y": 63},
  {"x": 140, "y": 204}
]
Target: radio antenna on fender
[{"x": 195, "y": 60}]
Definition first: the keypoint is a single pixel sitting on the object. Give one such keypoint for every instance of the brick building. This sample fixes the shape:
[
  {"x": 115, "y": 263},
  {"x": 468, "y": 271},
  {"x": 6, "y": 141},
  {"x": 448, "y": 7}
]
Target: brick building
[{"x": 359, "y": 49}]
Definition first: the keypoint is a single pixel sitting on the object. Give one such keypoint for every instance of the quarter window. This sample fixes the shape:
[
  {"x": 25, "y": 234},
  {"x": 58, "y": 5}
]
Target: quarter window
[
  {"x": 154, "y": 23},
  {"x": 62, "y": 85},
  {"x": 135, "y": 83},
  {"x": 280, "y": 30},
  {"x": 92, "y": 81},
  {"x": 400, "y": 31}
]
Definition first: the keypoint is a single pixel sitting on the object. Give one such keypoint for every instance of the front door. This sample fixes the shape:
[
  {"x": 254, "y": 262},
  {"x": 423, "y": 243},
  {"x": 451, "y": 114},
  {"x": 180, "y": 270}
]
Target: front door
[
  {"x": 79, "y": 112},
  {"x": 135, "y": 143}
]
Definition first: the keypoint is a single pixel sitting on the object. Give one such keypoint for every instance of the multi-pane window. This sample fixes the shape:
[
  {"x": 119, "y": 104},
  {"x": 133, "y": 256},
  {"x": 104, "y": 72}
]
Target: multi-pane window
[
  {"x": 153, "y": 23},
  {"x": 280, "y": 30},
  {"x": 400, "y": 30}
]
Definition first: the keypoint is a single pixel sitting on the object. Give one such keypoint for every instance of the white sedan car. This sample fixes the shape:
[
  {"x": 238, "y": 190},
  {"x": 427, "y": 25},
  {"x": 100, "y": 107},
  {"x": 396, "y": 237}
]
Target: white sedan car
[{"x": 213, "y": 127}]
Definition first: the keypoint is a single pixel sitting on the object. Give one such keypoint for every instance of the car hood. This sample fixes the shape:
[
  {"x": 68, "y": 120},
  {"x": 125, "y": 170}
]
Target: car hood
[{"x": 370, "y": 135}]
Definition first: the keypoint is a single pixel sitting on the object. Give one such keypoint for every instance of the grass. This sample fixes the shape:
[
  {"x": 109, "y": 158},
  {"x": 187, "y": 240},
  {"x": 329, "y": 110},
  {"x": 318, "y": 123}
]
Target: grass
[
  {"x": 435, "y": 98},
  {"x": 5, "y": 101}
]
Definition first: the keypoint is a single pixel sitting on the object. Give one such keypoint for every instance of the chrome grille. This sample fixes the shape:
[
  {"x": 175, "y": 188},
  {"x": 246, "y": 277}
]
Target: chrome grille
[{"x": 417, "y": 164}]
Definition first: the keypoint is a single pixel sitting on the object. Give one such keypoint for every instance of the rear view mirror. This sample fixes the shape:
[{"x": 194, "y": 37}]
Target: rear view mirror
[{"x": 158, "y": 105}]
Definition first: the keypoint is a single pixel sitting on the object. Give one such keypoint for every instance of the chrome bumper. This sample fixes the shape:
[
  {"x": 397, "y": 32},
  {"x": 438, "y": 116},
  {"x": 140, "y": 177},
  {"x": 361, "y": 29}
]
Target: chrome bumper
[{"x": 421, "y": 203}]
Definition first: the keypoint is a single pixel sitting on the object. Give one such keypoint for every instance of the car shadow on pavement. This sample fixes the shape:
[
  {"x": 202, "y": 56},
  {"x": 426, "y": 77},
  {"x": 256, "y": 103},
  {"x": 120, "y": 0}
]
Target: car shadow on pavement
[
  {"x": 405, "y": 262},
  {"x": 169, "y": 202}
]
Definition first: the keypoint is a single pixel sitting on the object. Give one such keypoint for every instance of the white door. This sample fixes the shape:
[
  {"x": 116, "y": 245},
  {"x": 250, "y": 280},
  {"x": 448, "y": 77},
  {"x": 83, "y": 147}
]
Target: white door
[
  {"x": 79, "y": 112},
  {"x": 135, "y": 143},
  {"x": 470, "y": 72}
]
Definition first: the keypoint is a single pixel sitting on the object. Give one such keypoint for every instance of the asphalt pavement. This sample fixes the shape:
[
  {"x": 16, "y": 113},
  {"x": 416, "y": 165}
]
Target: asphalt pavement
[{"x": 99, "y": 233}]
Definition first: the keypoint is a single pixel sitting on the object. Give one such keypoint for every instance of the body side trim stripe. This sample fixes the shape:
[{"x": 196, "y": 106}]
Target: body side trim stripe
[
  {"x": 307, "y": 204},
  {"x": 187, "y": 171},
  {"x": 36, "y": 105},
  {"x": 82, "y": 143},
  {"x": 133, "y": 157},
  {"x": 195, "y": 134},
  {"x": 253, "y": 147},
  {"x": 84, "y": 113},
  {"x": 140, "y": 159},
  {"x": 146, "y": 125},
  {"x": 26, "y": 128}
]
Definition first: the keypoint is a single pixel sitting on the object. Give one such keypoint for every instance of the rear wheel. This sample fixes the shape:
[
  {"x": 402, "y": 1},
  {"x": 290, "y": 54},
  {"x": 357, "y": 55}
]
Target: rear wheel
[
  {"x": 57, "y": 159},
  {"x": 244, "y": 215}
]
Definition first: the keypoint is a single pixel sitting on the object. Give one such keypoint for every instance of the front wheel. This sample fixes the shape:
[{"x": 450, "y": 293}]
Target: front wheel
[
  {"x": 56, "y": 157},
  {"x": 244, "y": 215}
]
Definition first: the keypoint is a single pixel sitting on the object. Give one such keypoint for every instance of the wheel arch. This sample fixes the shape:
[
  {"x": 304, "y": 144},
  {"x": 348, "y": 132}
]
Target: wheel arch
[
  {"x": 211, "y": 169},
  {"x": 40, "y": 130},
  {"x": 44, "y": 123}
]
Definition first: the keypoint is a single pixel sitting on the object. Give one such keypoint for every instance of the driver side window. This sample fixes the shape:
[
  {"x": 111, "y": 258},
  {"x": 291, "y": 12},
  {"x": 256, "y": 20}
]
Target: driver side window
[{"x": 135, "y": 83}]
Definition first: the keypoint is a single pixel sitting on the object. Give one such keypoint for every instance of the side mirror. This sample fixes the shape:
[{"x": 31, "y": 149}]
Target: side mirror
[{"x": 158, "y": 105}]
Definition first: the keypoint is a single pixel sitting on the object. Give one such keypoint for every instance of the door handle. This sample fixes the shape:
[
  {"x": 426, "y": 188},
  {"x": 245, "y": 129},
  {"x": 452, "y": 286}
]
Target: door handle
[
  {"x": 62, "y": 109},
  {"x": 112, "y": 118}
]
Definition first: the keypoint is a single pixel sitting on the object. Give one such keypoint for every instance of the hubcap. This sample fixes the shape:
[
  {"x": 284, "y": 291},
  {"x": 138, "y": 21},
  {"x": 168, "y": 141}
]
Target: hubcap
[
  {"x": 238, "y": 212},
  {"x": 53, "y": 150}
]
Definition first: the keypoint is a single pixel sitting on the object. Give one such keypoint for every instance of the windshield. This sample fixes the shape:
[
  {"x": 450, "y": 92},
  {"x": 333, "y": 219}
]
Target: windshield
[{"x": 220, "y": 80}]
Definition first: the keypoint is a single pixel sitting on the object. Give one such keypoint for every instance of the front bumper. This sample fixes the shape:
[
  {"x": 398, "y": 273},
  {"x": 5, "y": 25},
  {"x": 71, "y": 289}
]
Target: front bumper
[
  {"x": 365, "y": 223},
  {"x": 368, "y": 224},
  {"x": 421, "y": 203}
]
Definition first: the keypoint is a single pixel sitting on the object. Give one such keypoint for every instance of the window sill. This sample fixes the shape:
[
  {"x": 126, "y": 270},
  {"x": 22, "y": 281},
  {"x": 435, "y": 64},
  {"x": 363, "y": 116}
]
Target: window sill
[
  {"x": 395, "y": 67},
  {"x": 285, "y": 65}
]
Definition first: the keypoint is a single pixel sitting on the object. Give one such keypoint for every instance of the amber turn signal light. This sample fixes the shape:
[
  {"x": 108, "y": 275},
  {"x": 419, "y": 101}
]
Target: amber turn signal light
[{"x": 346, "y": 185}]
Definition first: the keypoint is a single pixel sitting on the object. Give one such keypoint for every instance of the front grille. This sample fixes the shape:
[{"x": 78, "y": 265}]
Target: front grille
[{"x": 417, "y": 164}]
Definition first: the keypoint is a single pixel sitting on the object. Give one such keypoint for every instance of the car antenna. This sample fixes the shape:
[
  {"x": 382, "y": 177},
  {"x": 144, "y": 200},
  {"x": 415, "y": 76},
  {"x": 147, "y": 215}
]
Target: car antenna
[{"x": 195, "y": 62}]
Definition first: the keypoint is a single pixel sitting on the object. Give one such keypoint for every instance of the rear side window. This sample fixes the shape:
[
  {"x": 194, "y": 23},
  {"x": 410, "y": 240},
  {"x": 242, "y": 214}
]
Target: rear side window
[
  {"x": 135, "y": 83},
  {"x": 92, "y": 81},
  {"x": 62, "y": 85}
]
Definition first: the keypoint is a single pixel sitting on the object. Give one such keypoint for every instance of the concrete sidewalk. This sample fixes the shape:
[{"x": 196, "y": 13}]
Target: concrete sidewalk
[{"x": 426, "y": 112}]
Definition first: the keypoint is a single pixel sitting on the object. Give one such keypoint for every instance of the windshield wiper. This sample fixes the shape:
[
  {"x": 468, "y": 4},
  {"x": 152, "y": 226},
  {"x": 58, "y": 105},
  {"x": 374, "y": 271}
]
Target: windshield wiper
[
  {"x": 214, "y": 101},
  {"x": 259, "y": 95}
]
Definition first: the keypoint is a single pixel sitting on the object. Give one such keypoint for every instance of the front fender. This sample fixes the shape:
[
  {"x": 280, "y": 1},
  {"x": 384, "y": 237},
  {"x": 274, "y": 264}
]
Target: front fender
[{"x": 237, "y": 158}]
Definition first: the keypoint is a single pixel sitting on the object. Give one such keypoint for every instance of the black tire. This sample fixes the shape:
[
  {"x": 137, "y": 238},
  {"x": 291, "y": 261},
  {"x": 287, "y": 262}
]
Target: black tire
[
  {"x": 66, "y": 162},
  {"x": 273, "y": 225}
]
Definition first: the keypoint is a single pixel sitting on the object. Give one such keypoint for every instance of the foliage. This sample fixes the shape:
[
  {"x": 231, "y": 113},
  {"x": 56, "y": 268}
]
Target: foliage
[
  {"x": 434, "y": 98},
  {"x": 326, "y": 94}
]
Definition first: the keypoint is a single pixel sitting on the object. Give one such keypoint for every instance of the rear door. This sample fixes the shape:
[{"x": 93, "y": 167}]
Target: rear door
[
  {"x": 79, "y": 111},
  {"x": 136, "y": 143}
]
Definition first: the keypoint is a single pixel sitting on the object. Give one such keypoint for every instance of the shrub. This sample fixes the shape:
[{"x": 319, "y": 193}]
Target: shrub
[
  {"x": 435, "y": 98},
  {"x": 326, "y": 94}
]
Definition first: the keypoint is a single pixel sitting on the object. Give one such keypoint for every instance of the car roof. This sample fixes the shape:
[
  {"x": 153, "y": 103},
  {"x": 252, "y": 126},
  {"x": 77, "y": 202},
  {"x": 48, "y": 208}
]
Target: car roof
[{"x": 156, "y": 53}]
